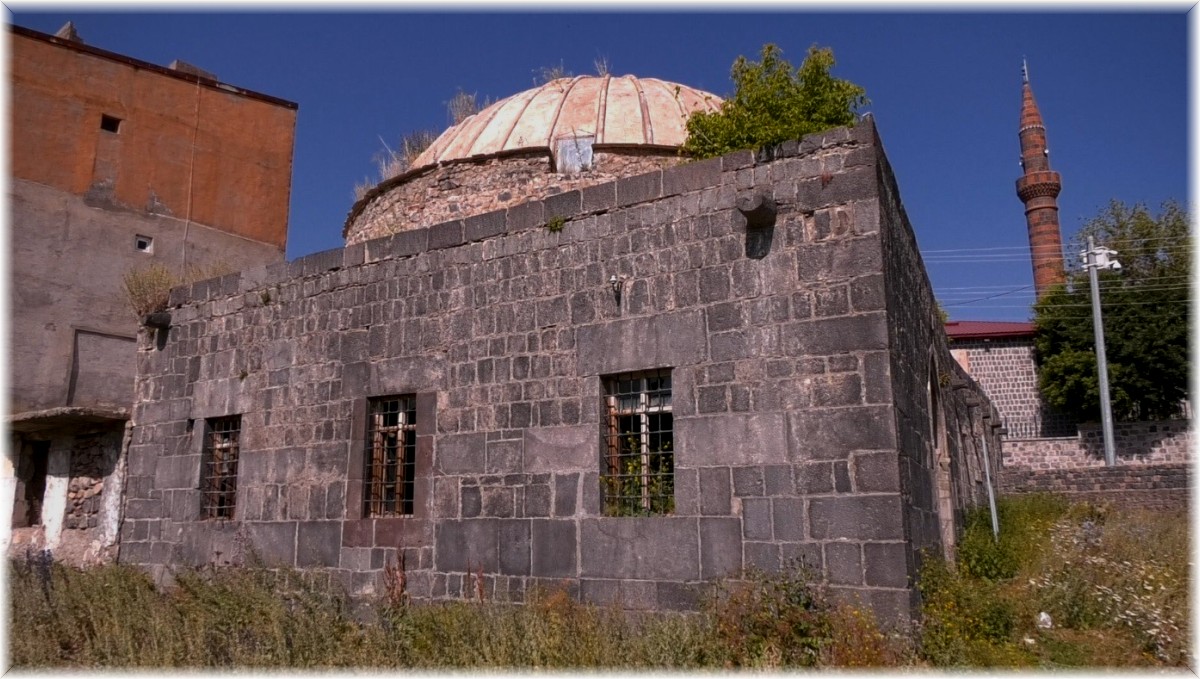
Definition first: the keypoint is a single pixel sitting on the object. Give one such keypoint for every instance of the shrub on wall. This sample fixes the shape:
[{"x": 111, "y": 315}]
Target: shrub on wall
[{"x": 773, "y": 102}]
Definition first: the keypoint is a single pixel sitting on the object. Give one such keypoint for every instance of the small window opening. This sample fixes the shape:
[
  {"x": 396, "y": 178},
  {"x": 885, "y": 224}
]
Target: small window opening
[
  {"x": 573, "y": 154},
  {"x": 638, "y": 469},
  {"x": 144, "y": 244},
  {"x": 219, "y": 482},
  {"x": 110, "y": 123},
  {"x": 390, "y": 458}
]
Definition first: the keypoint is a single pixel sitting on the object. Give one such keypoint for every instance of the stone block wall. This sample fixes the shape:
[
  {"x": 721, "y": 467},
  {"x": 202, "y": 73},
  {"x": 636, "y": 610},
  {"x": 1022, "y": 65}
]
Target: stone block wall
[
  {"x": 1007, "y": 370},
  {"x": 1135, "y": 443},
  {"x": 1148, "y": 487},
  {"x": 785, "y": 424},
  {"x": 943, "y": 419},
  {"x": 433, "y": 195}
]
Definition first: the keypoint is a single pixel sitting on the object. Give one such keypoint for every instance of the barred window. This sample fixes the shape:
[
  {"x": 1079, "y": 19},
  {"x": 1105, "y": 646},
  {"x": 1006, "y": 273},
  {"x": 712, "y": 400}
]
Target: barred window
[
  {"x": 390, "y": 456},
  {"x": 638, "y": 469},
  {"x": 218, "y": 485}
]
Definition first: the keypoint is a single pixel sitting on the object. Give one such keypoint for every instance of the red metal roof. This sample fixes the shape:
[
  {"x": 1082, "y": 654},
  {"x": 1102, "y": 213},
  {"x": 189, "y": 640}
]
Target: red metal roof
[{"x": 987, "y": 329}]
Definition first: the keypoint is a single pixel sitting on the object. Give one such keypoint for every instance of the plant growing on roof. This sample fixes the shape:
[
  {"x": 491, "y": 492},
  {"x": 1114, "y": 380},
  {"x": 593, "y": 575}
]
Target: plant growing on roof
[{"x": 773, "y": 102}]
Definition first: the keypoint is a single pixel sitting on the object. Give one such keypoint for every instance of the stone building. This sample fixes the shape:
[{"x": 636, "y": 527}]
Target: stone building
[
  {"x": 1000, "y": 356},
  {"x": 115, "y": 164},
  {"x": 627, "y": 376}
]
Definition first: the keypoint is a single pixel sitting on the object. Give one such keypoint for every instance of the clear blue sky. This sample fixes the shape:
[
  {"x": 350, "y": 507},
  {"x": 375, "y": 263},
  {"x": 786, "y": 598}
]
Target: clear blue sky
[{"x": 944, "y": 89}]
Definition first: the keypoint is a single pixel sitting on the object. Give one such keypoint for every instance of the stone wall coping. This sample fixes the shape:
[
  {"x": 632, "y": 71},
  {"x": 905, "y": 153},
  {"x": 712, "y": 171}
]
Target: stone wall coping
[{"x": 621, "y": 193}]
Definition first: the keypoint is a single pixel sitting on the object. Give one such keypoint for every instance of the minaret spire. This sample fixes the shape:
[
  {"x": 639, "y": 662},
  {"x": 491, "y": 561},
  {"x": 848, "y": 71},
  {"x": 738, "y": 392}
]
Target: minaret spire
[{"x": 1038, "y": 188}]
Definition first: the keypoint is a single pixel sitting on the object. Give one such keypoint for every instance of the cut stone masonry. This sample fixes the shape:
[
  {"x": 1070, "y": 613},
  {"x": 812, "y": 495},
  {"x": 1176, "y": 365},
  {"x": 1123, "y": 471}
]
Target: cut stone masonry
[{"x": 817, "y": 413}]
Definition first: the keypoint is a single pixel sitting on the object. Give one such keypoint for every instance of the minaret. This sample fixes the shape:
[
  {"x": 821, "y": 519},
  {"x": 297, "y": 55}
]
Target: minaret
[{"x": 1038, "y": 188}]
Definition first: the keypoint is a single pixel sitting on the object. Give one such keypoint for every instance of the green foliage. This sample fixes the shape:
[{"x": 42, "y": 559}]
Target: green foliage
[
  {"x": 966, "y": 622},
  {"x": 773, "y": 103},
  {"x": 148, "y": 289},
  {"x": 1024, "y": 522},
  {"x": 645, "y": 484},
  {"x": 1120, "y": 570},
  {"x": 555, "y": 224},
  {"x": 113, "y": 616},
  {"x": 1145, "y": 313},
  {"x": 1114, "y": 584},
  {"x": 772, "y": 619}
]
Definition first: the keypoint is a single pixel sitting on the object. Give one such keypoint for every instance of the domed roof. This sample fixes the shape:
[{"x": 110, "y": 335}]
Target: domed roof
[{"x": 614, "y": 110}]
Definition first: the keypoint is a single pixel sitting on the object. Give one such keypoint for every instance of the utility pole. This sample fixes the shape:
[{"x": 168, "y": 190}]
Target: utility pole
[{"x": 1098, "y": 258}]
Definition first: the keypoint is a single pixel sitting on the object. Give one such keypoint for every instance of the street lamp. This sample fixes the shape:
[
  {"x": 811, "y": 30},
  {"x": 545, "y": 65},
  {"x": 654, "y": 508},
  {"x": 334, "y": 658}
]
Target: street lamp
[{"x": 1095, "y": 258}]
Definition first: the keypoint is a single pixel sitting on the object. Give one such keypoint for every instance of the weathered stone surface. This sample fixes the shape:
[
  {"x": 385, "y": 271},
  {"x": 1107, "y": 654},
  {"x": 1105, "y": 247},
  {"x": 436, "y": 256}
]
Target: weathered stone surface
[
  {"x": 513, "y": 543},
  {"x": 885, "y": 564},
  {"x": 720, "y": 547},
  {"x": 318, "y": 543},
  {"x": 639, "y": 548},
  {"x": 832, "y": 434},
  {"x": 876, "y": 473},
  {"x": 463, "y": 545},
  {"x": 274, "y": 542},
  {"x": 560, "y": 448},
  {"x": 868, "y": 517},
  {"x": 554, "y": 549},
  {"x": 714, "y": 491},
  {"x": 461, "y": 453},
  {"x": 843, "y": 563},
  {"x": 788, "y": 518},
  {"x": 754, "y": 438},
  {"x": 673, "y": 339},
  {"x": 748, "y": 481}
]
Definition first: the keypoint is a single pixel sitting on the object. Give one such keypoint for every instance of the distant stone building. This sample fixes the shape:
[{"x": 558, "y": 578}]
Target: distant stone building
[
  {"x": 1000, "y": 356},
  {"x": 630, "y": 386},
  {"x": 116, "y": 164}
]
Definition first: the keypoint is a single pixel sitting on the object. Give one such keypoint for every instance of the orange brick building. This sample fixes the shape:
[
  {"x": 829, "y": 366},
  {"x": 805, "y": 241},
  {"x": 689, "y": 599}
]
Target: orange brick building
[{"x": 116, "y": 165}]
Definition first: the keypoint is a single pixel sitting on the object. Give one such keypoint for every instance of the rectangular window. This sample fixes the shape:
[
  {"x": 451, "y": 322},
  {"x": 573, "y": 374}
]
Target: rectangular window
[
  {"x": 218, "y": 483},
  {"x": 390, "y": 457},
  {"x": 110, "y": 123},
  {"x": 638, "y": 469}
]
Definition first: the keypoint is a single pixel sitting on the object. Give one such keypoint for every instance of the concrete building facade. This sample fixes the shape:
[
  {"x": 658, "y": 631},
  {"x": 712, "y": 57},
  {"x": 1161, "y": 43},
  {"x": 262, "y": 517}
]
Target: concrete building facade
[
  {"x": 630, "y": 388},
  {"x": 117, "y": 164}
]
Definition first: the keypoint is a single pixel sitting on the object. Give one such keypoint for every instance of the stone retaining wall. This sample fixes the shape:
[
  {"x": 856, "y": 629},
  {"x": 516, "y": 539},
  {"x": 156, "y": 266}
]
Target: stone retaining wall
[
  {"x": 1152, "y": 487},
  {"x": 1135, "y": 443}
]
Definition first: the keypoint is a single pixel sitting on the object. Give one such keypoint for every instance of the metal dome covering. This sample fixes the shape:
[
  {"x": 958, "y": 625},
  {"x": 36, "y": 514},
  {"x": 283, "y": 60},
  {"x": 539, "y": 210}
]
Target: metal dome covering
[{"x": 624, "y": 110}]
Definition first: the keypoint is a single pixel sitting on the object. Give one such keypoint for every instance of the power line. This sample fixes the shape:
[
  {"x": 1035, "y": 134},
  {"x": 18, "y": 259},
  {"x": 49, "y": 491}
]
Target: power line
[{"x": 1026, "y": 248}]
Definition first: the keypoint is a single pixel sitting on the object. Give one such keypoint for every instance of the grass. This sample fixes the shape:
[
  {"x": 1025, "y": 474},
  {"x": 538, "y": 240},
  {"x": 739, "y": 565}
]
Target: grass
[
  {"x": 113, "y": 616},
  {"x": 1115, "y": 585},
  {"x": 148, "y": 289}
]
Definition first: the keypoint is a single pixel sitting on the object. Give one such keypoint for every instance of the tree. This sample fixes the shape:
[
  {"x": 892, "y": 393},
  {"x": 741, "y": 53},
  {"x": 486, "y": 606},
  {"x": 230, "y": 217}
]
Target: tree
[
  {"x": 773, "y": 103},
  {"x": 1145, "y": 312}
]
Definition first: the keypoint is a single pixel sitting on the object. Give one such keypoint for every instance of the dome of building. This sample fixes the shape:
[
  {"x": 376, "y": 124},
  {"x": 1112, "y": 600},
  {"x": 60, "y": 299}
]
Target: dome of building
[
  {"x": 620, "y": 110},
  {"x": 564, "y": 135}
]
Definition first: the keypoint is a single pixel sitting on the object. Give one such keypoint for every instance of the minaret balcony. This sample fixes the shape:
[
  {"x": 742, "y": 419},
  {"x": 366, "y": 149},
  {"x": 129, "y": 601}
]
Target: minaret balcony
[{"x": 1039, "y": 184}]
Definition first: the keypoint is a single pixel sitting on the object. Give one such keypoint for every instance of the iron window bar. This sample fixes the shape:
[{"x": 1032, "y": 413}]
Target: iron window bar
[
  {"x": 390, "y": 456},
  {"x": 638, "y": 445},
  {"x": 221, "y": 448}
]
